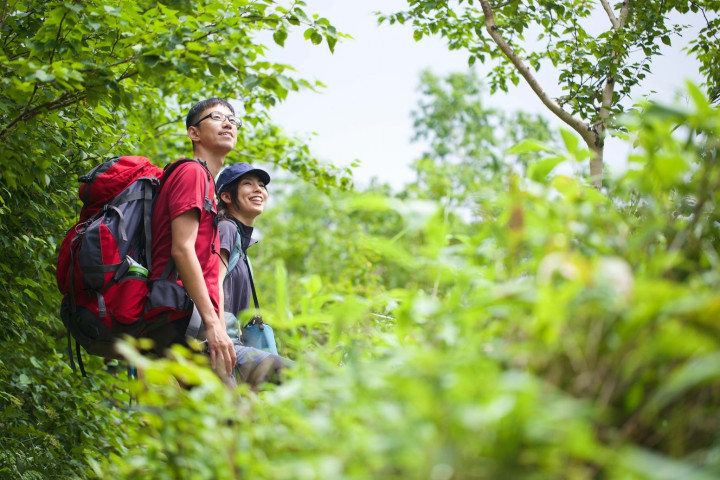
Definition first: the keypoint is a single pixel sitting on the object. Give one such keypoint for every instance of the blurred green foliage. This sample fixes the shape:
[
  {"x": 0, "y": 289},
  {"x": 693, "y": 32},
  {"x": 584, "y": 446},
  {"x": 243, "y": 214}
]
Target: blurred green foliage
[
  {"x": 555, "y": 332},
  {"x": 564, "y": 333}
]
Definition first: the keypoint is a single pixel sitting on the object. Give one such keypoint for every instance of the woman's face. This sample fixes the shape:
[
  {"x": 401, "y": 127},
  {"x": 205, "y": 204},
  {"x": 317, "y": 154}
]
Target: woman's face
[{"x": 251, "y": 197}]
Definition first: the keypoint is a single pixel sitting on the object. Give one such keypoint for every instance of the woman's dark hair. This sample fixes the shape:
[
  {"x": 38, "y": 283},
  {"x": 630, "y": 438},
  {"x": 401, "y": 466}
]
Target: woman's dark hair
[
  {"x": 197, "y": 109},
  {"x": 232, "y": 189}
]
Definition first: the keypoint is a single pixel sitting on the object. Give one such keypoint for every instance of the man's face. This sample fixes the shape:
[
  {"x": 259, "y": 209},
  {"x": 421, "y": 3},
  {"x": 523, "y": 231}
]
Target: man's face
[{"x": 216, "y": 135}]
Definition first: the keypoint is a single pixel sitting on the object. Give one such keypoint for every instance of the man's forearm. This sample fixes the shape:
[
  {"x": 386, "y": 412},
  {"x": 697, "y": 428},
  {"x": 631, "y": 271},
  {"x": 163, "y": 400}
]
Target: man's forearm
[{"x": 190, "y": 272}]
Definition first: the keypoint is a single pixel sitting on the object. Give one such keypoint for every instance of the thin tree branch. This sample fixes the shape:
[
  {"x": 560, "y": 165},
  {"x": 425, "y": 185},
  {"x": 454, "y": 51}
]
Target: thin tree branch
[
  {"x": 29, "y": 102},
  {"x": 606, "y": 103},
  {"x": 606, "y": 99},
  {"x": 120, "y": 62},
  {"x": 127, "y": 74},
  {"x": 4, "y": 15},
  {"x": 169, "y": 122},
  {"x": 611, "y": 15},
  {"x": 57, "y": 37},
  {"x": 62, "y": 101},
  {"x": 206, "y": 34},
  {"x": 624, "y": 12},
  {"x": 115, "y": 41},
  {"x": 20, "y": 54},
  {"x": 576, "y": 123},
  {"x": 158, "y": 128}
]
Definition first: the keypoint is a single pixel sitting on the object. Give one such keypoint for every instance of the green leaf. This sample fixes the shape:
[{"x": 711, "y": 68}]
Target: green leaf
[
  {"x": 331, "y": 41},
  {"x": 251, "y": 81},
  {"x": 570, "y": 139},
  {"x": 279, "y": 37},
  {"x": 699, "y": 97},
  {"x": 528, "y": 146},
  {"x": 538, "y": 171}
]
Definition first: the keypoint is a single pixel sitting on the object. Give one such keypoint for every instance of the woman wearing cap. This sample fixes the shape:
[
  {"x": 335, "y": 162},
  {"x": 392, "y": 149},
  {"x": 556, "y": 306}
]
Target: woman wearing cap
[{"x": 242, "y": 194}]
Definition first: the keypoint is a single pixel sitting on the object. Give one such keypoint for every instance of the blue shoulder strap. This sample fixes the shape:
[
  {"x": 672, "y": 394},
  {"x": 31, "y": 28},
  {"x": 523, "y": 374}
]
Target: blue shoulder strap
[{"x": 235, "y": 256}]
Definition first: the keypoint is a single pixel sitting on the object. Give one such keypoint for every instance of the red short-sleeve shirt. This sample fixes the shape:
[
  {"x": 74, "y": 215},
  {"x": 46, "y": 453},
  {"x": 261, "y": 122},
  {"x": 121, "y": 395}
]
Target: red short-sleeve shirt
[{"x": 185, "y": 189}]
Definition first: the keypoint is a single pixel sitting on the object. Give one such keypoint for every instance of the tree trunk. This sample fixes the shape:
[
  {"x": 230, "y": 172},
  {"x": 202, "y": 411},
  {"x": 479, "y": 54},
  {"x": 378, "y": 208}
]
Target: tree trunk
[
  {"x": 598, "y": 146},
  {"x": 596, "y": 166}
]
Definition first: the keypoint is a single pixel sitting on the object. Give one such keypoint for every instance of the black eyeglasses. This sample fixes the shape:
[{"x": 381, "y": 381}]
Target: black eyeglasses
[{"x": 219, "y": 117}]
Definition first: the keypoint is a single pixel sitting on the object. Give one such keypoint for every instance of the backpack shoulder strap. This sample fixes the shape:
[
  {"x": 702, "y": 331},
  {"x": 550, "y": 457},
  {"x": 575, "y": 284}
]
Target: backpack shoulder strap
[
  {"x": 236, "y": 255},
  {"x": 170, "y": 168}
]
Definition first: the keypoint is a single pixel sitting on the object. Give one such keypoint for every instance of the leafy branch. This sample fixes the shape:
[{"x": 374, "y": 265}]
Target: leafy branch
[
  {"x": 574, "y": 122},
  {"x": 4, "y": 15},
  {"x": 64, "y": 100}
]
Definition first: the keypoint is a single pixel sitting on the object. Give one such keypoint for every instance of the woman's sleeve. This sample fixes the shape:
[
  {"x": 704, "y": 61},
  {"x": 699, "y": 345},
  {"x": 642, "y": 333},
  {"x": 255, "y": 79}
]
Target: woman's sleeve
[{"x": 228, "y": 234}]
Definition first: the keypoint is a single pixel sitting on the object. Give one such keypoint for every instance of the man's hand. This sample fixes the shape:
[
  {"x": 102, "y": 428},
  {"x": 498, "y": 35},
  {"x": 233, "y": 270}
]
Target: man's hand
[{"x": 222, "y": 350}]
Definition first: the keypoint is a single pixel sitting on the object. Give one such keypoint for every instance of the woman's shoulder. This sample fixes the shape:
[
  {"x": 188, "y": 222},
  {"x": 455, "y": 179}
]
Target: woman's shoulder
[{"x": 226, "y": 227}]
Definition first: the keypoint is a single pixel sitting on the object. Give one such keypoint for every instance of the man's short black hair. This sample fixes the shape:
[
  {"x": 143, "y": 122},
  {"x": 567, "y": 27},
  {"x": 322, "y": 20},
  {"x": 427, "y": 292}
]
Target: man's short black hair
[{"x": 197, "y": 109}]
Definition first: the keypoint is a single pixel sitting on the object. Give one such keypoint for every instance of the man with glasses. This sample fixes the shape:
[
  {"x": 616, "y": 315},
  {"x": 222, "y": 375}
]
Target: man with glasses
[{"x": 184, "y": 233}]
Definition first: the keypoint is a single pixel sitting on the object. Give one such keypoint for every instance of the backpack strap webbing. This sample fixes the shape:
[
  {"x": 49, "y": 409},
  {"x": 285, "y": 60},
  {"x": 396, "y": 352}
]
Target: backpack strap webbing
[
  {"x": 234, "y": 259},
  {"x": 235, "y": 256},
  {"x": 195, "y": 323}
]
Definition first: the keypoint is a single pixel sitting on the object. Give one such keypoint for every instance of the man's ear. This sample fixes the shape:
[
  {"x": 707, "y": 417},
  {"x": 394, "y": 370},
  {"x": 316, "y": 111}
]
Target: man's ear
[{"x": 193, "y": 133}]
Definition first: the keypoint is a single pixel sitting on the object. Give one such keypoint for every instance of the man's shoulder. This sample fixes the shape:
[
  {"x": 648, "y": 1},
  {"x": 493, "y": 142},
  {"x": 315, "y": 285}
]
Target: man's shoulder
[
  {"x": 187, "y": 165},
  {"x": 184, "y": 172}
]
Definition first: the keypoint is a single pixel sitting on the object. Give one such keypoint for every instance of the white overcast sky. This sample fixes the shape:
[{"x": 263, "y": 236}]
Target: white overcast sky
[{"x": 372, "y": 85}]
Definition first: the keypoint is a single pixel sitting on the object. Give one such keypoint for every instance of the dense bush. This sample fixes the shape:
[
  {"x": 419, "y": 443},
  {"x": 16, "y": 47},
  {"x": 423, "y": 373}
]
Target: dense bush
[
  {"x": 555, "y": 331},
  {"x": 82, "y": 81},
  {"x": 562, "y": 332},
  {"x": 572, "y": 334}
]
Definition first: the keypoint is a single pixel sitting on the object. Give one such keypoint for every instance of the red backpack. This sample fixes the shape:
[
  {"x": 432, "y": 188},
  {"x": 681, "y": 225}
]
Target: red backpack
[{"x": 103, "y": 262}]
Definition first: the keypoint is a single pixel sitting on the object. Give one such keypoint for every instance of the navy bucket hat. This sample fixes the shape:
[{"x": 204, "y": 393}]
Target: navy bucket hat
[{"x": 237, "y": 170}]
